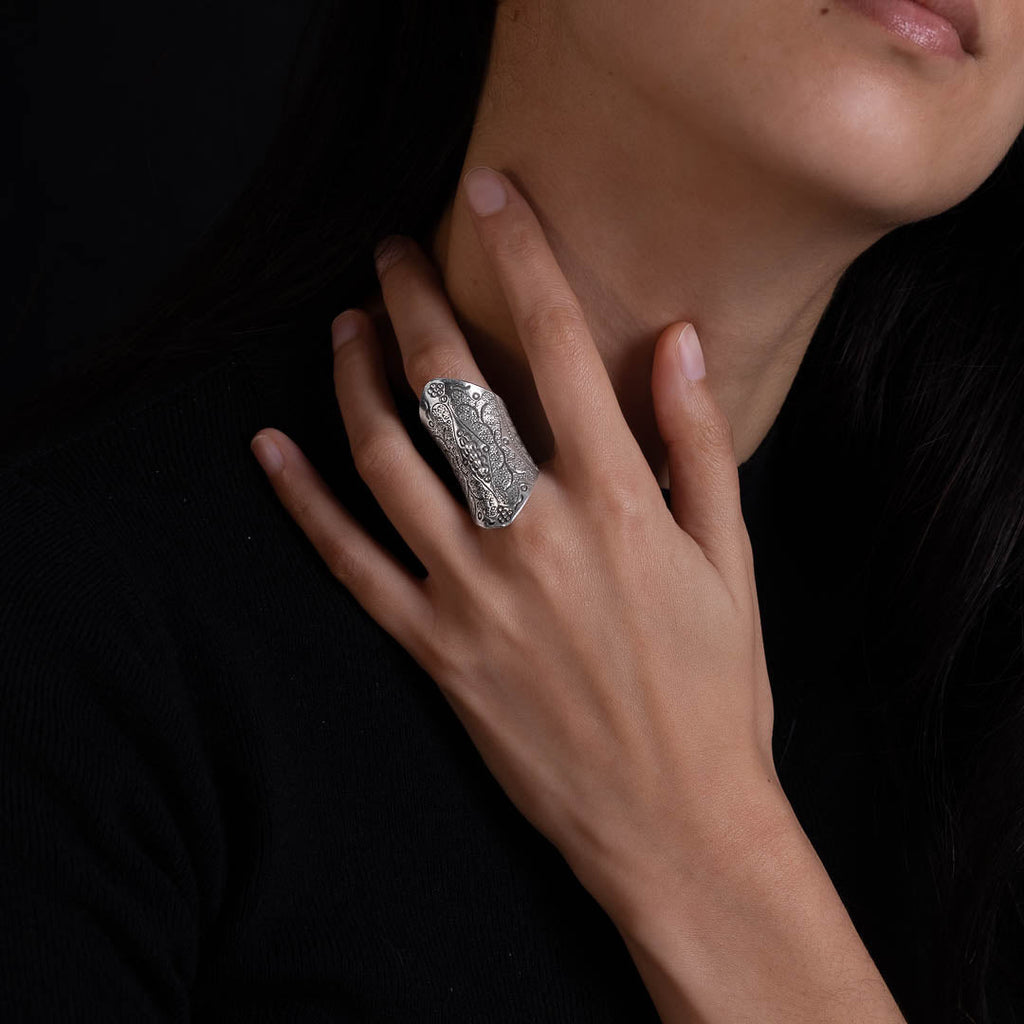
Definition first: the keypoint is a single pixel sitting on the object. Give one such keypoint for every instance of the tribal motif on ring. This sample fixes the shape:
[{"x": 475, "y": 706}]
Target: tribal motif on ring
[{"x": 471, "y": 425}]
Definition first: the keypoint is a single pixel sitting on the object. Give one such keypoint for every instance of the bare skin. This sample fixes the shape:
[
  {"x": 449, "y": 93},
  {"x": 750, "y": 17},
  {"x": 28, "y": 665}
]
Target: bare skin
[
  {"x": 670, "y": 190},
  {"x": 718, "y": 164},
  {"x": 604, "y": 653}
]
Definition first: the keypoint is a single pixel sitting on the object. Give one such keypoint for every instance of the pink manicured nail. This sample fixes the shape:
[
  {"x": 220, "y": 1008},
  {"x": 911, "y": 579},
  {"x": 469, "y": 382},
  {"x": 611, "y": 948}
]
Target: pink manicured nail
[
  {"x": 268, "y": 455},
  {"x": 484, "y": 192},
  {"x": 691, "y": 359}
]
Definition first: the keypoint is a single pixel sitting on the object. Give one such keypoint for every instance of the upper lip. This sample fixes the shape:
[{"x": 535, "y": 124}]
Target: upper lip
[{"x": 962, "y": 15}]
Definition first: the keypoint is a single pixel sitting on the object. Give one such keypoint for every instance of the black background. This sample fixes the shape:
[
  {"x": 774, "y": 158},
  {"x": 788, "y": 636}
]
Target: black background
[{"x": 130, "y": 127}]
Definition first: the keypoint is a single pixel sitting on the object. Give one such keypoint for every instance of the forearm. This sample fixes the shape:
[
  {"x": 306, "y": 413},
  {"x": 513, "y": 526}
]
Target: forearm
[{"x": 754, "y": 932}]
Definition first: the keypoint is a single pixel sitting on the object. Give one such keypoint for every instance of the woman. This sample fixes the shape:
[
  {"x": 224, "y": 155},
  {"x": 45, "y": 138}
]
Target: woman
[{"x": 237, "y": 790}]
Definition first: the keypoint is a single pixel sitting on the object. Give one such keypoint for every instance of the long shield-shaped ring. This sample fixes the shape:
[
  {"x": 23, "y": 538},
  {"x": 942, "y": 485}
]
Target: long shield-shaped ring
[{"x": 471, "y": 425}]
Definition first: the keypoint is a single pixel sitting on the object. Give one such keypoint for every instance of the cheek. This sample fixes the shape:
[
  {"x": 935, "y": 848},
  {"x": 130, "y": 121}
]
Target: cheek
[
  {"x": 883, "y": 133},
  {"x": 896, "y": 147},
  {"x": 828, "y": 102},
  {"x": 894, "y": 143}
]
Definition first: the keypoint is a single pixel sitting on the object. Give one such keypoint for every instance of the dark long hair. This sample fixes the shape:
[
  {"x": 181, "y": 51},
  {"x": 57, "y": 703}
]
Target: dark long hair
[{"x": 901, "y": 439}]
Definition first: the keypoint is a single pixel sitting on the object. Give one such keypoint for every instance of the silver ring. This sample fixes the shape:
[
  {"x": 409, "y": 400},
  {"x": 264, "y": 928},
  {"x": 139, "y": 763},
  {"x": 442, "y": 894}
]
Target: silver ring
[{"x": 471, "y": 425}]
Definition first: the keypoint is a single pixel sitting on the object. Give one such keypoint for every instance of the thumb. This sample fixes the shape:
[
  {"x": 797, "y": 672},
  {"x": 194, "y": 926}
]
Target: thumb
[{"x": 703, "y": 481}]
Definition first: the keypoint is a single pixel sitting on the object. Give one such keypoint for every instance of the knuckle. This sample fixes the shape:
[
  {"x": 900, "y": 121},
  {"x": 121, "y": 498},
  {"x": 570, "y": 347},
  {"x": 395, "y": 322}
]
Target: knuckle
[
  {"x": 616, "y": 492},
  {"x": 343, "y": 565},
  {"x": 449, "y": 662},
  {"x": 428, "y": 359},
  {"x": 560, "y": 325},
  {"x": 445, "y": 654},
  {"x": 620, "y": 505},
  {"x": 550, "y": 559},
  {"x": 377, "y": 457},
  {"x": 716, "y": 430},
  {"x": 538, "y": 542}
]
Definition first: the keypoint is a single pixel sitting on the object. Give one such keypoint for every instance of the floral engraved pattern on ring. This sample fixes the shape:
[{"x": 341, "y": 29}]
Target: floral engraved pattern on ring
[{"x": 472, "y": 426}]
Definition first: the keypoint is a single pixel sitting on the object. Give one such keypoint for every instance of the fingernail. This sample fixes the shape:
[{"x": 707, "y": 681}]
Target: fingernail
[
  {"x": 345, "y": 328},
  {"x": 691, "y": 359},
  {"x": 268, "y": 455},
  {"x": 484, "y": 191}
]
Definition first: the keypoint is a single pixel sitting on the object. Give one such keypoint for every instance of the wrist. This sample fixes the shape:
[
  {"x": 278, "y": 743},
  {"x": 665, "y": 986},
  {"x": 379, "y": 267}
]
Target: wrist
[
  {"x": 744, "y": 846},
  {"x": 745, "y": 924},
  {"x": 732, "y": 844}
]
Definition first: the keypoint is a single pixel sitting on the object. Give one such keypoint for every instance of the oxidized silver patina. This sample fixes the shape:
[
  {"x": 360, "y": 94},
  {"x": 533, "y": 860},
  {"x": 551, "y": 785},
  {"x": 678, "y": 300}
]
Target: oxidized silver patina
[{"x": 471, "y": 425}]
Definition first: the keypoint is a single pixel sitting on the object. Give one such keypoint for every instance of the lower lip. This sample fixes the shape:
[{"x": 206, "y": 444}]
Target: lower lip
[{"x": 914, "y": 22}]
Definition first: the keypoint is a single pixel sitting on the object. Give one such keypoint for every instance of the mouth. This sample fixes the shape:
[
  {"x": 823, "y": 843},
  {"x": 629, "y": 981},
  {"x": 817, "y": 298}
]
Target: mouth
[
  {"x": 962, "y": 15},
  {"x": 949, "y": 27}
]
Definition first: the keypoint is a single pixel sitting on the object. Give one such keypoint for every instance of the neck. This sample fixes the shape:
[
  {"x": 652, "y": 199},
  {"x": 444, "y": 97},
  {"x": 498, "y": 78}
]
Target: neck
[{"x": 650, "y": 226}]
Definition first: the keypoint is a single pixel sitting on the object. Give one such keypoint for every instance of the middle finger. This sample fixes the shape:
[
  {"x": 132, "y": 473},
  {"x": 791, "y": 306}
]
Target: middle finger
[{"x": 425, "y": 327}]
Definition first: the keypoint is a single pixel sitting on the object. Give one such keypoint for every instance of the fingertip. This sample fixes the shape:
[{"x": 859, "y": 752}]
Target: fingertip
[
  {"x": 346, "y": 327},
  {"x": 666, "y": 360},
  {"x": 388, "y": 251},
  {"x": 689, "y": 353},
  {"x": 268, "y": 453},
  {"x": 486, "y": 192},
  {"x": 676, "y": 402}
]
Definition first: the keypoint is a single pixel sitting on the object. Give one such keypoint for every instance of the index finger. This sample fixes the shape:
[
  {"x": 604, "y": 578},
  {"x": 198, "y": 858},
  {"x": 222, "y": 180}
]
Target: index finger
[{"x": 572, "y": 382}]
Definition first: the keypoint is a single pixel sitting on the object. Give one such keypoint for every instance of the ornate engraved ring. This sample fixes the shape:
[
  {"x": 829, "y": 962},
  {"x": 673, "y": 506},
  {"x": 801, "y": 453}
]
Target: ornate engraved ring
[{"x": 471, "y": 425}]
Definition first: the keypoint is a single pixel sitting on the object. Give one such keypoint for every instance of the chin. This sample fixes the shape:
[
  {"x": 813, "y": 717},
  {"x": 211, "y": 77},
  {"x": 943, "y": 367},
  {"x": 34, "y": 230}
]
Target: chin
[
  {"x": 886, "y": 188},
  {"x": 886, "y": 166}
]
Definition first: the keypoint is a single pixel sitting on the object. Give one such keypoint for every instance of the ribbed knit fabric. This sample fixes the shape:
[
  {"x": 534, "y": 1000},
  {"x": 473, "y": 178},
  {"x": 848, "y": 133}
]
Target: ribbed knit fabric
[{"x": 227, "y": 795}]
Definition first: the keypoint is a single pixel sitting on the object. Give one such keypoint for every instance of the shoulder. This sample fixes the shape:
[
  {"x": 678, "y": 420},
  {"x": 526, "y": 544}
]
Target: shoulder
[
  {"x": 142, "y": 454},
  {"x": 129, "y": 405},
  {"x": 157, "y": 508}
]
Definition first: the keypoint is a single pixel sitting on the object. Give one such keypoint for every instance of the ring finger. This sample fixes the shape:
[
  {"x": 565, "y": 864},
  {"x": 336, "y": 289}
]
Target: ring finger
[{"x": 428, "y": 335}]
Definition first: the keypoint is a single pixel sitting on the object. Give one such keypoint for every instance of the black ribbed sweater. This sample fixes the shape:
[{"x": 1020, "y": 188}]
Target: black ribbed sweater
[{"x": 227, "y": 795}]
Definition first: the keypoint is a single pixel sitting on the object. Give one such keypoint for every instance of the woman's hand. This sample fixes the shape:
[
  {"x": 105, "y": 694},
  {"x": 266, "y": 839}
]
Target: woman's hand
[{"x": 603, "y": 652}]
